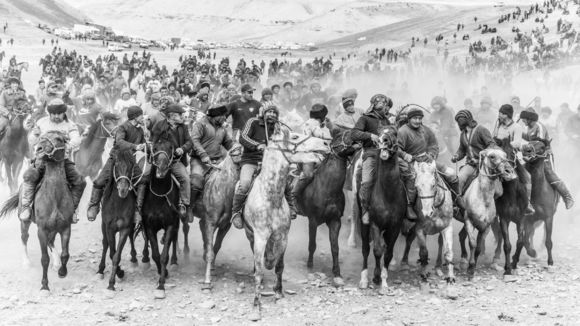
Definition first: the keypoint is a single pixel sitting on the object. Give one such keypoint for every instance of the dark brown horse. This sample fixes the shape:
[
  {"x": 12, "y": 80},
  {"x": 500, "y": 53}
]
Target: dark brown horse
[
  {"x": 510, "y": 207},
  {"x": 160, "y": 210},
  {"x": 14, "y": 145},
  {"x": 89, "y": 157},
  {"x": 53, "y": 206},
  {"x": 118, "y": 212},
  {"x": 544, "y": 199},
  {"x": 215, "y": 208},
  {"x": 323, "y": 202},
  {"x": 387, "y": 209}
]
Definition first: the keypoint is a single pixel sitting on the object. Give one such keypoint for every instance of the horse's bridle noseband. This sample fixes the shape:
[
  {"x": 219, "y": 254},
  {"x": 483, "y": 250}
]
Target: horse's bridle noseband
[{"x": 55, "y": 148}]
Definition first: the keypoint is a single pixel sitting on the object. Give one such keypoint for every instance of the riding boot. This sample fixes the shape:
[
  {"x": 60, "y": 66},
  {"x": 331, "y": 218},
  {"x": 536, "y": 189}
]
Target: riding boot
[
  {"x": 138, "y": 218},
  {"x": 77, "y": 193},
  {"x": 529, "y": 209},
  {"x": 291, "y": 199},
  {"x": 563, "y": 191},
  {"x": 95, "y": 203},
  {"x": 365, "y": 200},
  {"x": 195, "y": 193},
  {"x": 299, "y": 188},
  {"x": 77, "y": 185},
  {"x": 237, "y": 206},
  {"x": 411, "y": 198},
  {"x": 26, "y": 195}
]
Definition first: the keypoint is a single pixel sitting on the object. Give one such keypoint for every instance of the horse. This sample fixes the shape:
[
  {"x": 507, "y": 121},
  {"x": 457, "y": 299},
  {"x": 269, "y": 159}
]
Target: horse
[
  {"x": 479, "y": 198},
  {"x": 160, "y": 211},
  {"x": 388, "y": 206},
  {"x": 267, "y": 214},
  {"x": 215, "y": 208},
  {"x": 88, "y": 158},
  {"x": 14, "y": 145},
  {"x": 544, "y": 199},
  {"x": 53, "y": 207},
  {"x": 435, "y": 215},
  {"x": 510, "y": 207},
  {"x": 117, "y": 215},
  {"x": 323, "y": 201}
]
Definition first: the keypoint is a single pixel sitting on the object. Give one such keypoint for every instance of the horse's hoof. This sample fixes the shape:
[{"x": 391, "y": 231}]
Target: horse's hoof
[
  {"x": 385, "y": 291},
  {"x": 338, "y": 282},
  {"x": 278, "y": 295},
  {"x": 497, "y": 267},
  {"x": 44, "y": 293},
  {"x": 109, "y": 294},
  {"x": 363, "y": 284},
  {"x": 159, "y": 294},
  {"x": 439, "y": 272},
  {"x": 62, "y": 272},
  {"x": 450, "y": 280},
  {"x": 207, "y": 286},
  {"x": 463, "y": 263},
  {"x": 550, "y": 269},
  {"x": 172, "y": 268},
  {"x": 508, "y": 278},
  {"x": 404, "y": 266},
  {"x": 255, "y": 315}
]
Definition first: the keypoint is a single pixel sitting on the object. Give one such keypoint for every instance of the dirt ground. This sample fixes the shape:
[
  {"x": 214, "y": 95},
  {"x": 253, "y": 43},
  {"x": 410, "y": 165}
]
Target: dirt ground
[{"x": 538, "y": 296}]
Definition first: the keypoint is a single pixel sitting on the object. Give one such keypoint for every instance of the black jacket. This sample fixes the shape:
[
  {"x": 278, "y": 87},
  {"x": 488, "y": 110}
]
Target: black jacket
[
  {"x": 127, "y": 136},
  {"x": 179, "y": 137},
  {"x": 369, "y": 124},
  {"x": 254, "y": 134}
]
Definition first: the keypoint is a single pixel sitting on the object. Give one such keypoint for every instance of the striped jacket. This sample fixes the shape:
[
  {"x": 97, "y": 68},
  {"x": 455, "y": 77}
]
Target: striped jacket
[{"x": 253, "y": 135}]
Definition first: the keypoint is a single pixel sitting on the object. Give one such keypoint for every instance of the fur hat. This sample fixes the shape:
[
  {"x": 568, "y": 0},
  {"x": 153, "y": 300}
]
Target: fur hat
[
  {"x": 216, "y": 111},
  {"x": 13, "y": 80},
  {"x": 133, "y": 112},
  {"x": 414, "y": 112},
  {"x": 508, "y": 110},
  {"x": 174, "y": 108},
  {"x": 272, "y": 107},
  {"x": 318, "y": 111},
  {"x": 529, "y": 114},
  {"x": 346, "y": 102},
  {"x": 56, "y": 106}
]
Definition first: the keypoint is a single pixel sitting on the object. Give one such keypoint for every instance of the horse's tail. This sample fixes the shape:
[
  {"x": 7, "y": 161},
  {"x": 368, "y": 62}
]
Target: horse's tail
[{"x": 9, "y": 205}]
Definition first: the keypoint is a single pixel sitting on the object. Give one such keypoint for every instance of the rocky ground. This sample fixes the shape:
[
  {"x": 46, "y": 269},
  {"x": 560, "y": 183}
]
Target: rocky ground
[{"x": 537, "y": 295}]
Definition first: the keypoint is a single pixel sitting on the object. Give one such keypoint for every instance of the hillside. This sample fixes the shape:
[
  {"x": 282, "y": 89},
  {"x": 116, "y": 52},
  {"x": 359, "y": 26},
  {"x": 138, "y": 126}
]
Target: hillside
[{"x": 52, "y": 12}]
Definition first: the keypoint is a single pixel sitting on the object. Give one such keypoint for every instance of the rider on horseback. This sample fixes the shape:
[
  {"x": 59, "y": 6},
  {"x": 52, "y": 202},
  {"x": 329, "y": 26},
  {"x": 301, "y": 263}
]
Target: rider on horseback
[
  {"x": 416, "y": 142},
  {"x": 537, "y": 131},
  {"x": 313, "y": 127},
  {"x": 208, "y": 136},
  {"x": 56, "y": 121},
  {"x": 129, "y": 135},
  {"x": 507, "y": 131},
  {"x": 172, "y": 128},
  {"x": 367, "y": 130},
  {"x": 254, "y": 138},
  {"x": 473, "y": 139},
  {"x": 8, "y": 100}
]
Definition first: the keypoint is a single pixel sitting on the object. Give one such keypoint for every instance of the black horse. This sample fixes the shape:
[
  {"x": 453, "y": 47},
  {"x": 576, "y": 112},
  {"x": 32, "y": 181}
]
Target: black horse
[
  {"x": 160, "y": 210},
  {"x": 387, "y": 209},
  {"x": 14, "y": 144},
  {"x": 118, "y": 212}
]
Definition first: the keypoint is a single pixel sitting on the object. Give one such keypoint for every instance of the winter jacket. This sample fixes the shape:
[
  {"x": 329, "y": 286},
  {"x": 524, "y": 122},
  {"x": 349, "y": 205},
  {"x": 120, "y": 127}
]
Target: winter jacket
[
  {"x": 127, "y": 136},
  {"x": 253, "y": 135},
  {"x": 178, "y": 136},
  {"x": 369, "y": 124},
  {"x": 473, "y": 141},
  {"x": 208, "y": 140},
  {"x": 417, "y": 141}
]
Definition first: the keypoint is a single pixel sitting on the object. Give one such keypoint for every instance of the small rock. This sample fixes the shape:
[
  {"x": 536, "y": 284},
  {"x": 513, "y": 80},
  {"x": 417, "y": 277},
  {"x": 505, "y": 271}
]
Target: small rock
[
  {"x": 170, "y": 285},
  {"x": 400, "y": 302},
  {"x": 76, "y": 291},
  {"x": 136, "y": 305},
  {"x": 267, "y": 293},
  {"x": 489, "y": 288},
  {"x": 311, "y": 277},
  {"x": 92, "y": 251},
  {"x": 239, "y": 290},
  {"x": 207, "y": 305},
  {"x": 320, "y": 275},
  {"x": 215, "y": 320},
  {"x": 291, "y": 292},
  {"x": 542, "y": 313},
  {"x": 179, "y": 315},
  {"x": 242, "y": 285},
  {"x": 359, "y": 310},
  {"x": 451, "y": 294}
]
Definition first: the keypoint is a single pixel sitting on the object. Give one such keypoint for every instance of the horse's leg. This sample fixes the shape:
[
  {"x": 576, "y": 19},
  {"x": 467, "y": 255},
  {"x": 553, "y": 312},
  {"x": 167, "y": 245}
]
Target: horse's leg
[
  {"x": 548, "y": 226},
  {"x": 447, "y": 241},
  {"x": 507, "y": 246},
  {"x": 462, "y": 237},
  {"x": 378, "y": 251},
  {"x": 408, "y": 243},
  {"x": 470, "y": 229},
  {"x": 123, "y": 234},
  {"x": 24, "y": 227},
  {"x": 174, "y": 246},
  {"x": 9, "y": 177},
  {"x": 259, "y": 251},
  {"x": 154, "y": 249},
  {"x": 423, "y": 254},
  {"x": 312, "y": 228},
  {"x": 439, "y": 261},
  {"x": 132, "y": 243},
  {"x": 219, "y": 238},
  {"x": 366, "y": 249},
  {"x": 481, "y": 235},
  {"x": 519, "y": 244},
  {"x": 497, "y": 234},
  {"x": 530, "y": 230},
  {"x": 64, "y": 255},
  {"x": 45, "y": 259},
  {"x": 207, "y": 232},
  {"x": 279, "y": 271},
  {"x": 351, "y": 203},
  {"x": 333, "y": 232},
  {"x": 389, "y": 238},
  {"x": 145, "y": 259},
  {"x": 185, "y": 238},
  {"x": 105, "y": 244}
]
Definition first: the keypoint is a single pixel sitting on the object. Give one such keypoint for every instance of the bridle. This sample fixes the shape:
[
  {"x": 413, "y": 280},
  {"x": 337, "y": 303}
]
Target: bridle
[
  {"x": 436, "y": 193},
  {"x": 484, "y": 169},
  {"x": 123, "y": 177},
  {"x": 294, "y": 149},
  {"x": 534, "y": 155},
  {"x": 155, "y": 154},
  {"x": 108, "y": 133},
  {"x": 55, "y": 149}
]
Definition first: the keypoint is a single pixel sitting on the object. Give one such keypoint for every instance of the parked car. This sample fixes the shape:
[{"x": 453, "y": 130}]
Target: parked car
[
  {"x": 144, "y": 45},
  {"x": 114, "y": 48}
]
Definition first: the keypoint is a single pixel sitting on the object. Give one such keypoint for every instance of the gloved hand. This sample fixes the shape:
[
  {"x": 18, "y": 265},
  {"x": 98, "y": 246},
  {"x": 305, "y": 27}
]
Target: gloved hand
[
  {"x": 375, "y": 138},
  {"x": 408, "y": 158},
  {"x": 179, "y": 151},
  {"x": 206, "y": 160},
  {"x": 454, "y": 158}
]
